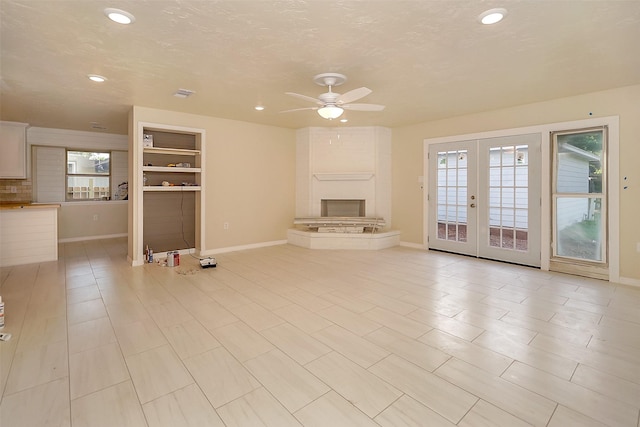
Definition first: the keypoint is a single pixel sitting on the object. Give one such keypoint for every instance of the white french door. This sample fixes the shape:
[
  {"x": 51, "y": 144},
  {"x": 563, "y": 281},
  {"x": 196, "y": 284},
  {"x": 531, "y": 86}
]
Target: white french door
[{"x": 484, "y": 198}]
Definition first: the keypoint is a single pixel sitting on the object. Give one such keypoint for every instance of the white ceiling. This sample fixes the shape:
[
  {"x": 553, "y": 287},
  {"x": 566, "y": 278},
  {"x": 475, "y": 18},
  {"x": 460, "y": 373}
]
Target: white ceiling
[{"x": 423, "y": 59}]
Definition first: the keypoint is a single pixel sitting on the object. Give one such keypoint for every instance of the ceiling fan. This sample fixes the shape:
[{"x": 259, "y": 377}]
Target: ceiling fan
[{"x": 331, "y": 104}]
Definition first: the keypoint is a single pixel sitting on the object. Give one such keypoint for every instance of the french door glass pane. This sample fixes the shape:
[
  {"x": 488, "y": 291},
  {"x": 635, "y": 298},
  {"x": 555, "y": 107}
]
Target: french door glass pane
[
  {"x": 452, "y": 195},
  {"x": 508, "y": 182},
  {"x": 579, "y": 225}
]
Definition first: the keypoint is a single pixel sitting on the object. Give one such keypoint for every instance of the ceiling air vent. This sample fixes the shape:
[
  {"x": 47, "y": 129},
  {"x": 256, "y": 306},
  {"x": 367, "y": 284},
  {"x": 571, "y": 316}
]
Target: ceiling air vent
[{"x": 183, "y": 93}]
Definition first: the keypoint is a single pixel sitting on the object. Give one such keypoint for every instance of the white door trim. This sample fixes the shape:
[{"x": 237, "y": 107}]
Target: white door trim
[{"x": 545, "y": 181}]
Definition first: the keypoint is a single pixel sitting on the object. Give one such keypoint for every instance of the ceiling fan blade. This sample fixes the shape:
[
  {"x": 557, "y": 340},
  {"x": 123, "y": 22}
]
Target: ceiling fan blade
[
  {"x": 354, "y": 95},
  {"x": 299, "y": 109},
  {"x": 363, "y": 107},
  {"x": 304, "y": 97}
]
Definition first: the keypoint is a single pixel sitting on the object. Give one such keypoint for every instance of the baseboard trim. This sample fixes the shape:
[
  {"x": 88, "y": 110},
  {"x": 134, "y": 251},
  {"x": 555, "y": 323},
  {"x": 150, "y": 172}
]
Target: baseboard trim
[
  {"x": 412, "y": 245},
  {"x": 83, "y": 238},
  {"x": 242, "y": 247},
  {"x": 630, "y": 282}
]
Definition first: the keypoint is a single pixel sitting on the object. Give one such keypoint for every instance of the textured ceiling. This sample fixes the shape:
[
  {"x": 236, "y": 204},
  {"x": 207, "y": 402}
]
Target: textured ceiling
[{"x": 423, "y": 59}]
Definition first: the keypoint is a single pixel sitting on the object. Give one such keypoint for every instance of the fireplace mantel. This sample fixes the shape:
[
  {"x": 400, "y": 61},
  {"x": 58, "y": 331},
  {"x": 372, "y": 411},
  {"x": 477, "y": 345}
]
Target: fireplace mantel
[{"x": 344, "y": 176}]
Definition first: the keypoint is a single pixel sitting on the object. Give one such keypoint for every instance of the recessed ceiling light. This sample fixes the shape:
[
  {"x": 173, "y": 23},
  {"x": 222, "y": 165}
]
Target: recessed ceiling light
[
  {"x": 120, "y": 16},
  {"x": 96, "y": 78},
  {"x": 344, "y": 120},
  {"x": 492, "y": 16},
  {"x": 259, "y": 107}
]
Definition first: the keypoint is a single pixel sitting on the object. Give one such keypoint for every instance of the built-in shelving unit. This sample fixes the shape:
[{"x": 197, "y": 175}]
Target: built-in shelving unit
[{"x": 167, "y": 192}]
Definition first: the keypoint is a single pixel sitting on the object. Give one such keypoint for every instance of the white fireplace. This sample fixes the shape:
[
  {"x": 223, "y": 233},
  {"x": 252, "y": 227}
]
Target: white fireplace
[{"x": 344, "y": 164}]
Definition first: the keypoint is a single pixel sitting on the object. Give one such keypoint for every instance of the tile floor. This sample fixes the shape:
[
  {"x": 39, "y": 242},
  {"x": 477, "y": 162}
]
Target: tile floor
[{"x": 284, "y": 336}]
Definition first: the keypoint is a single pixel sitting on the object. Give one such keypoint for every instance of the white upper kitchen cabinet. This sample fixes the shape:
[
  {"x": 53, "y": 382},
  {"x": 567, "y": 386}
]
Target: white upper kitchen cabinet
[{"x": 13, "y": 150}]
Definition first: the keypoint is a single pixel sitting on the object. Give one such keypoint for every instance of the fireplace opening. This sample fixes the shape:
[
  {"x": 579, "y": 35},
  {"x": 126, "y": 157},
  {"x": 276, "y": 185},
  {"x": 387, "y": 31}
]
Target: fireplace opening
[{"x": 342, "y": 208}]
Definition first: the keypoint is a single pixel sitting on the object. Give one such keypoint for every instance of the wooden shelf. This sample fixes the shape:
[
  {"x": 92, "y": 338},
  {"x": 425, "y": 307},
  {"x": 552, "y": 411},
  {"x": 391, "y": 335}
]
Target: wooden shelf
[
  {"x": 175, "y": 151},
  {"x": 170, "y": 169},
  {"x": 171, "y": 188}
]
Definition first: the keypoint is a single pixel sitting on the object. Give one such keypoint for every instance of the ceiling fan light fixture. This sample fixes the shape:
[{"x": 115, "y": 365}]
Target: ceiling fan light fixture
[
  {"x": 330, "y": 112},
  {"x": 492, "y": 16}
]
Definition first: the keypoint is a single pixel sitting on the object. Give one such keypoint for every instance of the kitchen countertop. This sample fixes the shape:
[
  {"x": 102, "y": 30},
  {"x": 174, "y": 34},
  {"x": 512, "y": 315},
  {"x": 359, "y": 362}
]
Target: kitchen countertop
[{"x": 27, "y": 205}]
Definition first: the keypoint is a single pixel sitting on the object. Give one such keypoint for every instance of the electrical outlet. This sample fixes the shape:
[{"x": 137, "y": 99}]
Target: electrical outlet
[
  {"x": 95, "y": 217},
  {"x": 225, "y": 225},
  {"x": 13, "y": 189}
]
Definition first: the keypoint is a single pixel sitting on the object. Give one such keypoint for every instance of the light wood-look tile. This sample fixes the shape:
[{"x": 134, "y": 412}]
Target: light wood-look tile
[
  {"x": 139, "y": 336},
  {"x": 218, "y": 366},
  {"x": 168, "y": 313},
  {"x": 445, "y": 398},
  {"x": 512, "y": 398},
  {"x": 388, "y": 302},
  {"x": 408, "y": 412},
  {"x": 446, "y": 324},
  {"x": 157, "y": 372},
  {"x": 610, "y": 364},
  {"x": 515, "y": 333},
  {"x": 186, "y": 407},
  {"x": 609, "y": 385},
  {"x": 256, "y": 408},
  {"x": 84, "y": 293},
  {"x": 298, "y": 345},
  {"x": 302, "y": 318},
  {"x": 426, "y": 357},
  {"x": 354, "y": 347},
  {"x": 95, "y": 369},
  {"x": 117, "y": 405},
  {"x": 41, "y": 331},
  {"x": 256, "y": 316},
  {"x": 572, "y": 345},
  {"x": 595, "y": 405},
  {"x": 45, "y": 405},
  {"x": 211, "y": 314},
  {"x": 80, "y": 278},
  {"x": 332, "y": 410},
  {"x": 306, "y": 299},
  {"x": 397, "y": 322},
  {"x": 344, "y": 300},
  {"x": 125, "y": 313},
  {"x": 266, "y": 298},
  {"x": 190, "y": 338},
  {"x": 549, "y": 362},
  {"x": 474, "y": 354},
  {"x": 564, "y": 417},
  {"x": 85, "y": 311},
  {"x": 37, "y": 366},
  {"x": 289, "y": 382},
  {"x": 90, "y": 334},
  {"x": 242, "y": 341},
  {"x": 544, "y": 327},
  {"x": 484, "y": 414},
  {"x": 361, "y": 388},
  {"x": 229, "y": 298},
  {"x": 356, "y": 323}
]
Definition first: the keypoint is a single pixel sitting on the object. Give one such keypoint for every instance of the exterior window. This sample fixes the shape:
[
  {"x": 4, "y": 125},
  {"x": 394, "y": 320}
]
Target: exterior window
[{"x": 88, "y": 175}]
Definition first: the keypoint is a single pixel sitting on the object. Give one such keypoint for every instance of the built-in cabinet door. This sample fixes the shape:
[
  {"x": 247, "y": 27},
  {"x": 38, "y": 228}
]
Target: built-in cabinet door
[
  {"x": 13, "y": 146},
  {"x": 484, "y": 198}
]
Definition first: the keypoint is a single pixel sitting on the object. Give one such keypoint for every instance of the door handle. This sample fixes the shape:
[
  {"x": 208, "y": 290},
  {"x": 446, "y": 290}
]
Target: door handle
[{"x": 472, "y": 205}]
